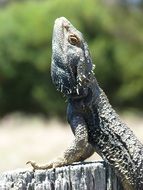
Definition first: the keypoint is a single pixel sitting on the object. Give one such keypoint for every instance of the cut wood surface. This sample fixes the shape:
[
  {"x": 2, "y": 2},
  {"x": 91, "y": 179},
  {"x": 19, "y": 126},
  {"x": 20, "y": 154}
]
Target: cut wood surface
[{"x": 80, "y": 176}]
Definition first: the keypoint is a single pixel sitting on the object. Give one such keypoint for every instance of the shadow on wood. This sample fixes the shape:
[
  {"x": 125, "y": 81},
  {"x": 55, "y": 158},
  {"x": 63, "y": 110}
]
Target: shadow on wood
[{"x": 80, "y": 176}]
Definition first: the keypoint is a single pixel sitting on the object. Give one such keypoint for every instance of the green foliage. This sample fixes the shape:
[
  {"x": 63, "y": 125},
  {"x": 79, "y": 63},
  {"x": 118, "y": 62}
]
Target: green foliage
[{"x": 114, "y": 37}]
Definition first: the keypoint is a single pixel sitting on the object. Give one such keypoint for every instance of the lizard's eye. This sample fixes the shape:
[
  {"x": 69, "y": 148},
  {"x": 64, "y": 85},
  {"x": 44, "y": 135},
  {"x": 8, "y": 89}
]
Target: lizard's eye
[{"x": 73, "y": 39}]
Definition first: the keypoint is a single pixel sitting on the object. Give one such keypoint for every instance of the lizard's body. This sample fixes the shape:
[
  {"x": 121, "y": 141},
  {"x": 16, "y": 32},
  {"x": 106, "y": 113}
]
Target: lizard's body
[{"x": 95, "y": 124}]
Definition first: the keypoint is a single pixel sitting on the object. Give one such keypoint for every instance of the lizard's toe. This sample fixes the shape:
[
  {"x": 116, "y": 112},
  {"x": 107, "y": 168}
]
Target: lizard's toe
[{"x": 33, "y": 164}]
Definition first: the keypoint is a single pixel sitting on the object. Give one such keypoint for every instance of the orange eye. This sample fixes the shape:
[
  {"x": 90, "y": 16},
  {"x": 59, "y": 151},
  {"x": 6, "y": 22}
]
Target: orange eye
[{"x": 73, "y": 39}]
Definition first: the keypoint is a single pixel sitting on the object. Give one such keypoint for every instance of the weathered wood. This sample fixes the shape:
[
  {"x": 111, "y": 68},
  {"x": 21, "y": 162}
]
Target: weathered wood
[{"x": 81, "y": 176}]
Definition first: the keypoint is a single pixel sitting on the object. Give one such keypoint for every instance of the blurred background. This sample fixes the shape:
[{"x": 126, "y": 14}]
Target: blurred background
[{"x": 32, "y": 113}]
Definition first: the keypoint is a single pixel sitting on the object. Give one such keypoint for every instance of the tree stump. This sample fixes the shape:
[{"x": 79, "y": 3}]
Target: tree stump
[{"x": 79, "y": 176}]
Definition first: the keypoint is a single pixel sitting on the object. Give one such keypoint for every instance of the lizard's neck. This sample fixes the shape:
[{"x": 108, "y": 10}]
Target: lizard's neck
[{"x": 88, "y": 89}]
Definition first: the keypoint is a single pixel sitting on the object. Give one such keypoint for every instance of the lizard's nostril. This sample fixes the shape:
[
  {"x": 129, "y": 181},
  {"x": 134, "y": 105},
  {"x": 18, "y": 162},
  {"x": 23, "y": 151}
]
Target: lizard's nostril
[{"x": 66, "y": 26}]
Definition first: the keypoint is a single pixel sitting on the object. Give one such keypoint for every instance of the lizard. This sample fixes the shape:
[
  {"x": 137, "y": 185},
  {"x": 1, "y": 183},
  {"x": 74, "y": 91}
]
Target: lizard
[{"x": 95, "y": 124}]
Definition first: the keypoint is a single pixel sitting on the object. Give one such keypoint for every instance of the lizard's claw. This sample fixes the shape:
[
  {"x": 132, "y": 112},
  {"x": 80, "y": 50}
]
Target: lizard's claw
[
  {"x": 33, "y": 164},
  {"x": 40, "y": 167}
]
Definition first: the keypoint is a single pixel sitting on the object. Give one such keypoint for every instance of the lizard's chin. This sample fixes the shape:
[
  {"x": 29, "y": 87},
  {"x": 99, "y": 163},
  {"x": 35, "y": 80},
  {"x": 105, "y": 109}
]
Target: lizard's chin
[
  {"x": 77, "y": 92},
  {"x": 65, "y": 86}
]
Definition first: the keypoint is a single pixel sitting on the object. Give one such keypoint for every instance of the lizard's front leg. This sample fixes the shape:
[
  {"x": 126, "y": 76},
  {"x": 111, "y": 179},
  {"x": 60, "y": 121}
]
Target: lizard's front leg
[{"x": 79, "y": 150}]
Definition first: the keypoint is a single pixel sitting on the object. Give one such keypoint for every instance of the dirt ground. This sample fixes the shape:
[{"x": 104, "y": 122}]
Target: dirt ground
[{"x": 24, "y": 138}]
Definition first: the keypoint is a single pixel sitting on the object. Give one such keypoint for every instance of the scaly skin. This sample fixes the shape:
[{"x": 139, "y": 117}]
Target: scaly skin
[{"x": 95, "y": 124}]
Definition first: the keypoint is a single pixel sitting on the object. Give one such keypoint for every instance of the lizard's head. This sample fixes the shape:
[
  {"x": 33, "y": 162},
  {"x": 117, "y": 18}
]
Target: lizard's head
[{"x": 71, "y": 62}]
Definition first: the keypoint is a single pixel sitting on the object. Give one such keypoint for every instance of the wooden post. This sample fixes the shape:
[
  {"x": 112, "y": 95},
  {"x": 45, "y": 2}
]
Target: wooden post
[{"x": 80, "y": 176}]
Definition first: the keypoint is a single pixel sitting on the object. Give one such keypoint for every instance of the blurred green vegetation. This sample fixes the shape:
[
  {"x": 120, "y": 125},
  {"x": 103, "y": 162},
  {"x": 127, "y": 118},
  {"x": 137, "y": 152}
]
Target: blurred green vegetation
[{"x": 115, "y": 38}]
